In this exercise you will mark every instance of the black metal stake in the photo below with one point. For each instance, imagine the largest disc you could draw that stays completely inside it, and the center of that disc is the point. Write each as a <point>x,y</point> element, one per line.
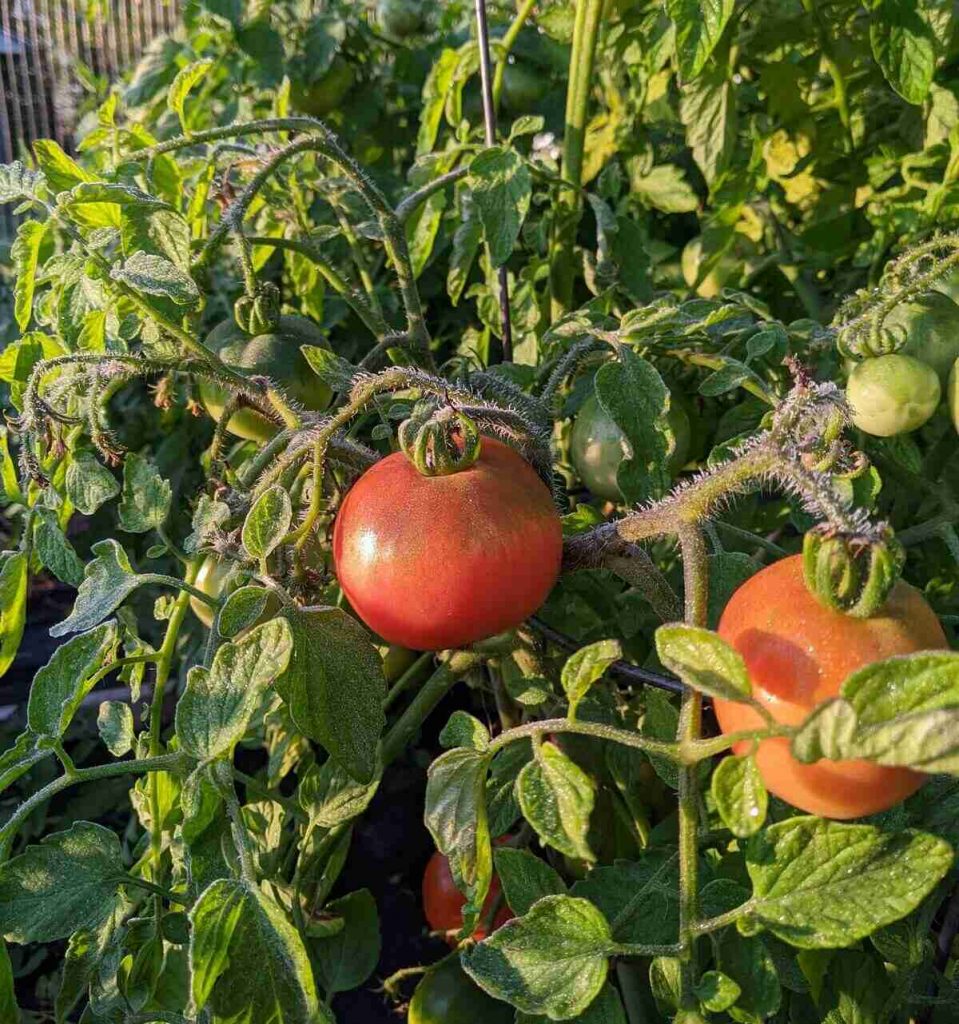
<point>489,122</point>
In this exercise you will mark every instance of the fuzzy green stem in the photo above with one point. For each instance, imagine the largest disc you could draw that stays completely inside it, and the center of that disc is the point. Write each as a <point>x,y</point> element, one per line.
<point>158,890</point>
<point>430,694</point>
<point>163,763</point>
<point>505,47</point>
<point>696,588</point>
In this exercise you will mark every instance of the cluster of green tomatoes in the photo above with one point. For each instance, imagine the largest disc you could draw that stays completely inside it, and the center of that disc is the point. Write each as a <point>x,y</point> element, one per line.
<point>898,392</point>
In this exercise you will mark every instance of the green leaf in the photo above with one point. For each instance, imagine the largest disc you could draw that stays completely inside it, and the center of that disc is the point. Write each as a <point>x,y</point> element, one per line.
<point>18,183</point>
<point>345,960</point>
<point>606,1008</point>
<point>665,982</point>
<point>25,254</point>
<point>900,712</point>
<point>747,963</point>
<point>14,572</point>
<point>335,686</point>
<point>463,730</point>
<point>331,797</point>
<point>466,242</point>
<point>904,47</point>
<point>113,193</point>
<point>699,26</point>
<point>242,609</point>
<point>435,90</point>
<point>145,504</point>
<point>60,171</point>
<point>455,815</point>
<point>115,724</point>
<point>53,549</point>
<point>9,1011</point>
<point>502,188</point>
<point>185,80</point>
<point>556,797</point>
<point>552,961</point>
<point>525,878</point>
<point>88,483</point>
<point>249,964</point>
<point>740,795</point>
<point>20,757</point>
<point>66,882</point>
<point>501,804</point>
<point>664,188</point>
<point>155,275</point>
<point>707,108</point>
<point>267,522</point>
<point>717,991</point>
<point>639,899</point>
<point>585,667</point>
<point>59,687</point>
<point>633,394</point>
<point>821,884</point>
<point>107,583</point>
<point>338,372</point>
<point>83,955</point>
<point>8,471</point>
<point>216,707</point>
<point>703,660</point>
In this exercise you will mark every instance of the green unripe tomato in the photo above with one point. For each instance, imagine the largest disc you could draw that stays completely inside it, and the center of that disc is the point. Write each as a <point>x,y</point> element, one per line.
<point>401,18</point>
<point>448,995</point>
<point>892,394</point>
<point>323,96</point>
<point>952,394</point>
<point>523,88</point>
<point>276,356</point>
<point>210,580</point>
<point>597,447</point>
<point>930,325</point>
<point>949,285</point>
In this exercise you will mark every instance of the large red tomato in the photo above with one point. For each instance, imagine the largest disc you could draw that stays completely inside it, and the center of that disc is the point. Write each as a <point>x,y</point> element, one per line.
<point>443,903</point>
<point>799,653</point>
<point>433,562</point>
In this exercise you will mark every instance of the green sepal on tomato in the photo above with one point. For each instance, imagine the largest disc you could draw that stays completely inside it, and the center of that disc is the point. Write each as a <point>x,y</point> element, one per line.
<point>277,356</point>
<point>438,562</point>
<point>798,654</point>
<point>447,995</point>
<point>598,447</point>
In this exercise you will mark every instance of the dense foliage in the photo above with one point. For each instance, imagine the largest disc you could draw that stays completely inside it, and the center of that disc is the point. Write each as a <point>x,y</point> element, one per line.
<point>266,418</point>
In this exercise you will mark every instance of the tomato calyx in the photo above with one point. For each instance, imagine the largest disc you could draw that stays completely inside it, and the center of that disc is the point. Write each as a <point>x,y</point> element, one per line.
<point>258,313</point>
<point>440,441</point>
<point>853,574</point>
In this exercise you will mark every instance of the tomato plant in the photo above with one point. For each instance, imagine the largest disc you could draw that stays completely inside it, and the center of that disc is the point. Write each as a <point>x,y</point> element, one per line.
<point>347,390</point>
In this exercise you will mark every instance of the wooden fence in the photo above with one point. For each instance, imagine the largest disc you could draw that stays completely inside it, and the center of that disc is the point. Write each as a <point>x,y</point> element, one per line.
<point>47,47</point>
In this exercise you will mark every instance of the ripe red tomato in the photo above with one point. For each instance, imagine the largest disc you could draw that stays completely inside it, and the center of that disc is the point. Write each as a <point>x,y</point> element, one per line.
<point>443,903</point>
<point>799,653</point>
<point>437,562</point>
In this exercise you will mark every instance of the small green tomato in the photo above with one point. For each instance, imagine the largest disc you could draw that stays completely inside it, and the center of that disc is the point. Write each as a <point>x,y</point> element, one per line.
<point>892,394</point>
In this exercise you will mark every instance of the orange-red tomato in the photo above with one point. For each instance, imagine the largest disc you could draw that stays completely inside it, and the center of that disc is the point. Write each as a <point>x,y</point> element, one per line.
<point>433,562</point>
<point>443,903</point>
<point>799,653</point>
